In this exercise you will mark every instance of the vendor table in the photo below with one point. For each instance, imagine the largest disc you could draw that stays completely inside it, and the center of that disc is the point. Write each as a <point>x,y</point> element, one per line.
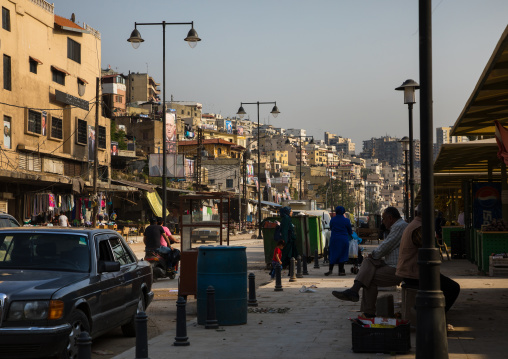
<point>488,243</point>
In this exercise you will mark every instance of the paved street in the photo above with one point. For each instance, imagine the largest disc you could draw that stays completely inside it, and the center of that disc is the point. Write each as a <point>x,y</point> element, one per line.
<point>316,324</point>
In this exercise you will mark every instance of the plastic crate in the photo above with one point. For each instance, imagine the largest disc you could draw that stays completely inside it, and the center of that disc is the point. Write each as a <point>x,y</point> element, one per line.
<point>381,340</point>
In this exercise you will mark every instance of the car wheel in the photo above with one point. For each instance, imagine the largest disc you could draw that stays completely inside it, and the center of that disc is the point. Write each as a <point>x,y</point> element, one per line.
<point>129,329</point>
<point>79,324</point>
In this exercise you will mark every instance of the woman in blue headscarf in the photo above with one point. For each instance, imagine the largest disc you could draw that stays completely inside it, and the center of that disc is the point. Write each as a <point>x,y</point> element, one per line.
<point>339,240</point>
<point>288,235</point>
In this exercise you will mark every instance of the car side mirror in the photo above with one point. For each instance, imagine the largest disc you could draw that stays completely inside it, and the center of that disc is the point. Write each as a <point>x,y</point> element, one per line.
<point>108,266</point>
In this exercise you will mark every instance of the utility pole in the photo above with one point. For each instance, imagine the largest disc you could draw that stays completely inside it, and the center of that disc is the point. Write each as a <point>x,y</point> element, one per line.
<point>244,188</point>
<point>96,150</point>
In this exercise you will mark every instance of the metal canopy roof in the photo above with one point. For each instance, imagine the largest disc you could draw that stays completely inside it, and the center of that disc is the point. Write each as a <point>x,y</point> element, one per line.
<point>467,160</point>
<point>489,100</point>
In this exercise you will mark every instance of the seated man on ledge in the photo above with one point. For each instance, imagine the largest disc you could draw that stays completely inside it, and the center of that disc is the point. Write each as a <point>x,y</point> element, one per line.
<point>408,268</point>
<point>375,271</point>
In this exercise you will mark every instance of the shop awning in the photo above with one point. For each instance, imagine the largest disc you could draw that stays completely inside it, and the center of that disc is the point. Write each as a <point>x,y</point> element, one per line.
<point>143,186</point>
<point>155,203</point>
<point>467,160</point>
<point>489,100</point>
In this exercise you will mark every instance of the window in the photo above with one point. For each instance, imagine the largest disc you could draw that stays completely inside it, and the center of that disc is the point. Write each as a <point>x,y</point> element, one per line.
<point>102,137</point>
<point>34,122</point>
<point>229,183</point>
<point>6,19</point>
<point>56,128</point>
<point>73,50</point>
<point>82,136</point>
<point>119,252</point>
<point>7,73</point>
<point>211,181</point>
<point>81,87</point>
<point>58,76</point>
<point>183,112</point>
<point>7,132</point>
<point>33,65</point>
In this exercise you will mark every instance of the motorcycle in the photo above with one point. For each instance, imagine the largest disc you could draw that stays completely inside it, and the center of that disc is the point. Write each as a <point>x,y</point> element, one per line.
<point>159,266</point>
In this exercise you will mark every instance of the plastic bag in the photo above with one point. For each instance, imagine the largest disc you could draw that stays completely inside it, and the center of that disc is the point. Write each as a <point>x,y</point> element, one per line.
<point>353,248</point>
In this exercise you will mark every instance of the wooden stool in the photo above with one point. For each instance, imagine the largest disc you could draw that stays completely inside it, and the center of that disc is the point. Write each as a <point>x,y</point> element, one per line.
<point>408,304</point>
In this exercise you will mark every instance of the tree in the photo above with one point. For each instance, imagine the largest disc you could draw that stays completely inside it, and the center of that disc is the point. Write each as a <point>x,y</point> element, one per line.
<point>118,136</point>
<point>339,191</point>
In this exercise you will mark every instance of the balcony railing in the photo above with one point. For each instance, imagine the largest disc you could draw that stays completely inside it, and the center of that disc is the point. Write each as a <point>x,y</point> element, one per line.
<point>45,5</point>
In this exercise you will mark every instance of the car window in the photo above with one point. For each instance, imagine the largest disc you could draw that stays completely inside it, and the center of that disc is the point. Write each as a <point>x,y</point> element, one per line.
<point>120,253</point>
<point>8,222</point>
<point>44,251</point>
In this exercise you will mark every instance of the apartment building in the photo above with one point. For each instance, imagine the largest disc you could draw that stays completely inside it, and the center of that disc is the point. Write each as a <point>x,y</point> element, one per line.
<point>50,67</point>
<point>142,87</point>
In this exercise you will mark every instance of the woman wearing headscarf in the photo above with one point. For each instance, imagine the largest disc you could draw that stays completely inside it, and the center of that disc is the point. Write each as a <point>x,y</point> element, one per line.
<point>339,240</point>
<point>288,235</point>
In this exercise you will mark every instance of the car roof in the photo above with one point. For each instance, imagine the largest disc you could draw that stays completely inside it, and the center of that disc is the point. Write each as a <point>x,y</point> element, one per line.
<point>76,230</point>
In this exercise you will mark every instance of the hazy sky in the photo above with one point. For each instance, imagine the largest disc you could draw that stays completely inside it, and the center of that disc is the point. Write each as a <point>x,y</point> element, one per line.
<point>331,65</point>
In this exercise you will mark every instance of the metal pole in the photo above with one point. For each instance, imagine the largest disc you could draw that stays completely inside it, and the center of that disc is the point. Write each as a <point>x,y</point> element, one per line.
<point>96,150</point>
<point>300,189</point>
<point>406,199</point>
<point>164,124</point>
<point>411,163</point>
<point>259,181</point>
<point>431,341</point>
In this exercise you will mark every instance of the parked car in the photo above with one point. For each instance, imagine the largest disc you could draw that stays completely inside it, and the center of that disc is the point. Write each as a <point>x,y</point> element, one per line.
<point>6,220</point>
<point>56,283</point>
<point>206,233</point>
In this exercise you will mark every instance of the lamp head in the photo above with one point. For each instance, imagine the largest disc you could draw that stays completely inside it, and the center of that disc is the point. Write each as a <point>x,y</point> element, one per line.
<point>275,111</point>
<point>135,38</point>
<point>409,87</point>
<point>405,142</point>
<point>241,112</point>
<point>192,38</point>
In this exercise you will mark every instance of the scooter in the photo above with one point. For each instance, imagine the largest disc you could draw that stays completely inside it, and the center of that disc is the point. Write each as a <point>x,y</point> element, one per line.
<point>159,266</point>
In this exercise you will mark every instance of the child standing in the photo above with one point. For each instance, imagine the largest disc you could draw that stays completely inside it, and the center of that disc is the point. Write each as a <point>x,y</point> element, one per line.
<point>277,254</point>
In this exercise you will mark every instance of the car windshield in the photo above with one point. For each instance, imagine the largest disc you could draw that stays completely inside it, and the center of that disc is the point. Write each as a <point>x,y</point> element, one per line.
<point>44,251</point>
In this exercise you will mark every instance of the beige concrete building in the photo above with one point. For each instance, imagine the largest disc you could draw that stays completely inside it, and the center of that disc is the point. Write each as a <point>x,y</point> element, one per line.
<point>49,71</point>
<point>142,87</point>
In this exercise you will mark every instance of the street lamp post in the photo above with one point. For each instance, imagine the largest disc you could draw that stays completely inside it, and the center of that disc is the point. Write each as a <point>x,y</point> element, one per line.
<point>409,87</point>
<point>135,39</point>
<point>431,341</point>
<point>312,140</point>
<point>405,144</point>
<point>275,112</point>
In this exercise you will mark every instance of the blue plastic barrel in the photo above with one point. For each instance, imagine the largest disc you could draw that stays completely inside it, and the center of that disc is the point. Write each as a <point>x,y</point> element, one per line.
<point>224,268</point>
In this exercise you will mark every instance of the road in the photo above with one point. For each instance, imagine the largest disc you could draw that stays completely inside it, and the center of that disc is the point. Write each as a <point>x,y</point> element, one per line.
<point>162,311</point>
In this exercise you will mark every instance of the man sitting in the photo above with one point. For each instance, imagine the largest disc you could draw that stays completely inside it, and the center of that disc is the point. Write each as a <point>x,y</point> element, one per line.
<point>172,255</point>
<point>408,268</point>
<point>375,271</point>
<point>152,240</point>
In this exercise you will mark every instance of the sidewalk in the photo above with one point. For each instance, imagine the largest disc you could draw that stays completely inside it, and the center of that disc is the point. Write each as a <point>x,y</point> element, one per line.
<point>316,324</point>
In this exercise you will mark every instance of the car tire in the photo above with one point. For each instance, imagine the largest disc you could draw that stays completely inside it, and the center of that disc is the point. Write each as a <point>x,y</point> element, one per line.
<point>129,329</point>
<point>79,324</point>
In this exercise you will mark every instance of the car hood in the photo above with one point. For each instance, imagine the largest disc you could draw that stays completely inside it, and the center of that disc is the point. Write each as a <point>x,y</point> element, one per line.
<point>29,284</point>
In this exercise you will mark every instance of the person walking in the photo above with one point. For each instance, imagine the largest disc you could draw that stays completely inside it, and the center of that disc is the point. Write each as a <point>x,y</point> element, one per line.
<point>339,241</point>
<point>378,269</point>
<point>288,235</point>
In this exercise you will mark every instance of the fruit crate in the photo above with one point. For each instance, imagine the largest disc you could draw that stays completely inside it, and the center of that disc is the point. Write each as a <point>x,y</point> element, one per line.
<point>498,267</point>
<point>381,340</point>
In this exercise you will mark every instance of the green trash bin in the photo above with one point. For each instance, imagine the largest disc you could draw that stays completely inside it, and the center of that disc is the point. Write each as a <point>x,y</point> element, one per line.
<point>307,232</point>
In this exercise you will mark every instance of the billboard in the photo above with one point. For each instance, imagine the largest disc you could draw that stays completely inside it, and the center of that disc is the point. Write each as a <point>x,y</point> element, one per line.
<point>250,170</point>
<point>239,130</point>
<point>189,168</point>
<point>229,127</point>
<point>486,203</point>
<point>174,165</point>
<point>114,148</point>
<point>170,138</point>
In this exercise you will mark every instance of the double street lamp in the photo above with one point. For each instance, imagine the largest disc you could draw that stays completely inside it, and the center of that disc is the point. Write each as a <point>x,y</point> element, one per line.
<point>409,87</point>
<point>275,112</point>
<point>405,147</point>
<point>135,39</point>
